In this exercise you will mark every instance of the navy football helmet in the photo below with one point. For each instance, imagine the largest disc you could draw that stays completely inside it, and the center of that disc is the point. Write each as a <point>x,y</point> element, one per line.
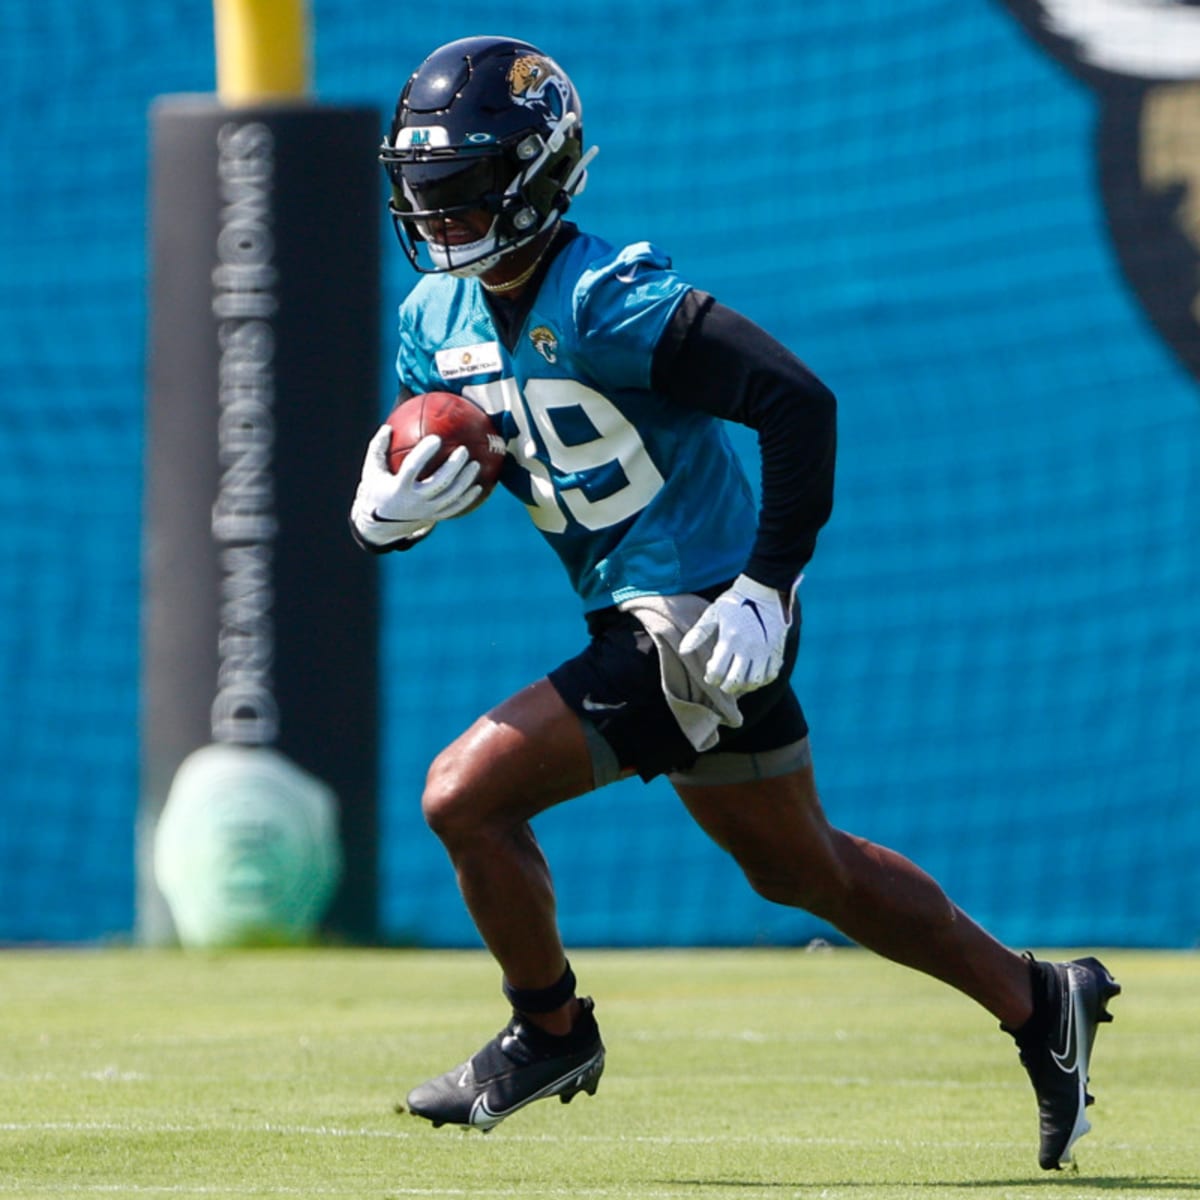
<point>485,123</point>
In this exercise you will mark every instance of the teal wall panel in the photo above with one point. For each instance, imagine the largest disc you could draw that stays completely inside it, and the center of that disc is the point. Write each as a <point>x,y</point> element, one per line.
<point>1001,659</point>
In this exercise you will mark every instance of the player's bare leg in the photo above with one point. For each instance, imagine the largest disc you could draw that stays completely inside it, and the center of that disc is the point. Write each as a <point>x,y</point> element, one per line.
<point>521,758</point>
<point>777,831</point>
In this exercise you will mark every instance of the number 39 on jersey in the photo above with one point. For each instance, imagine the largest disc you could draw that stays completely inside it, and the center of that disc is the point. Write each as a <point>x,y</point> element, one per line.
<point>586,462</point>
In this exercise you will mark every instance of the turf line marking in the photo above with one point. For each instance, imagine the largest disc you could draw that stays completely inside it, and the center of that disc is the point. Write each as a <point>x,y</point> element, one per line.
<point>467,1138</point>
<point>848,1081</point>
<point>354,1190</point>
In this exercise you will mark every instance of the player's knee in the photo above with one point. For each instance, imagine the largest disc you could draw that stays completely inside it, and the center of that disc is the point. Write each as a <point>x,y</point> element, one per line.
<point>466,800</point>
<point>445,800</point>
<point>782,888</point>
<point>776,888</point>
<point>818,886</point>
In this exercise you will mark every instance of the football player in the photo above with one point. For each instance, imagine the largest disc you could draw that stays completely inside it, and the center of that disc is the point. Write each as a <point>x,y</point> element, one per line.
<point>610,377</point>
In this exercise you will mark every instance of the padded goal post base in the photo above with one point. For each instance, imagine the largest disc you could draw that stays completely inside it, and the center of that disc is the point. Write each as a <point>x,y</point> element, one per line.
<point>261,615</point>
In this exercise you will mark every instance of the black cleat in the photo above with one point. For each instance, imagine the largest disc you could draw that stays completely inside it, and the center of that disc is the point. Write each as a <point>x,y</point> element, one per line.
<point>1057,1057</point>
<point>519,1065</point>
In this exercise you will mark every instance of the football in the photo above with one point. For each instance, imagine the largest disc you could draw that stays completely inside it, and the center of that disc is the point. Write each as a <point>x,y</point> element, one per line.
<point>458,422</point>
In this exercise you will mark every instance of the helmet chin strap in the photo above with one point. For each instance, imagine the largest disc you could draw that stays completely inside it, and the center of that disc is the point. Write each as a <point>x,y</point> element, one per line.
<point>481,255</point>
<point>444,256</point>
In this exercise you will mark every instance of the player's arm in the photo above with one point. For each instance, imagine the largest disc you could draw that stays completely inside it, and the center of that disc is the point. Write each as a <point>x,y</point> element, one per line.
<point>712,358</point>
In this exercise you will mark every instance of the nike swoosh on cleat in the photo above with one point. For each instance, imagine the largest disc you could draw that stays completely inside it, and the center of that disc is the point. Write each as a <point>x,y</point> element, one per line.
<point>482,1116</point>
<point>1068,1060</point>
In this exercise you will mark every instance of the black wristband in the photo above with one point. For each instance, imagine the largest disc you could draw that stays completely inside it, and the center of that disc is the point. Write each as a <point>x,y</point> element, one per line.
<point>401,544</point>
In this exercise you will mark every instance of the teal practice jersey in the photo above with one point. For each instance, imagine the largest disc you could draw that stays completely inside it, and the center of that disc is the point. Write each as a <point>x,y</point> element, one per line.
<point>637,494</point>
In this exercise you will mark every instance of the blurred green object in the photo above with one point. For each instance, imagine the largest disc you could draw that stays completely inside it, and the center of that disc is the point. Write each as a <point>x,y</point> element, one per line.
<point>247,850</point>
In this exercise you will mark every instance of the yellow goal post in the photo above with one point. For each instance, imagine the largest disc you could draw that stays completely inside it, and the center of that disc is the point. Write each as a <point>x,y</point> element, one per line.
<point>263,50</point>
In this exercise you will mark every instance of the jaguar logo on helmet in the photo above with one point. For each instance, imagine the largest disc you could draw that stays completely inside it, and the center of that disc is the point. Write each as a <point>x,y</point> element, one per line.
<point>536,82</point>
<point>1142,58</point>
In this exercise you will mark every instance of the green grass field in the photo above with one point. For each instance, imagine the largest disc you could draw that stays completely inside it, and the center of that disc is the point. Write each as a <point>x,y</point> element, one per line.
<point>731,1074</point>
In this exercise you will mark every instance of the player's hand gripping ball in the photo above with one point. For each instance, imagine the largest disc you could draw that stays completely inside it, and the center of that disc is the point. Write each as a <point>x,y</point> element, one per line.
<point>458,422</point>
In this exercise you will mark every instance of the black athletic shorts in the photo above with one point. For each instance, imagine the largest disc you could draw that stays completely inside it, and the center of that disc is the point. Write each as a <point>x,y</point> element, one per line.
<point>615,687</point>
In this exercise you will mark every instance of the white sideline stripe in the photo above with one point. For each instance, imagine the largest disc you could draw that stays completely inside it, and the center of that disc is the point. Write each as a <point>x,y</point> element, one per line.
<point>787,1079</point>
<point>104,1189</point>
<point>59,1189</point>
<point>155,1127</point>
<point>355,1190</point>
<point>848,1081</point>
<point>404,1135</point>
<point>134,1189</point>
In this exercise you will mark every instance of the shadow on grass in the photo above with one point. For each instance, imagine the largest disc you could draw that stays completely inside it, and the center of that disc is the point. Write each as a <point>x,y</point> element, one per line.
<point>1103,1183</point>
<point>1065,1179</point>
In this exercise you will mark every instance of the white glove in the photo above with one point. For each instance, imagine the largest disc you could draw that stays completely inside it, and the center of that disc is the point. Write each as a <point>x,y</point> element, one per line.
<point>750,625</point>
<point>392,508</point>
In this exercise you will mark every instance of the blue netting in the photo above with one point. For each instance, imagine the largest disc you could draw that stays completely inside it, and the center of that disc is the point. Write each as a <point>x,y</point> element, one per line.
<point>1002,654</point>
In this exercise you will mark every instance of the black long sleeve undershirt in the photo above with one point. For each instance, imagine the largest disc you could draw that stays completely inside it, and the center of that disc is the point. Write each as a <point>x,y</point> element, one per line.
<point>714,359</point>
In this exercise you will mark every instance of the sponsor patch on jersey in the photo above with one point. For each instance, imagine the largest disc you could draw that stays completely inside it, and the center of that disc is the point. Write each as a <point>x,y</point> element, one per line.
<point>481,359</point>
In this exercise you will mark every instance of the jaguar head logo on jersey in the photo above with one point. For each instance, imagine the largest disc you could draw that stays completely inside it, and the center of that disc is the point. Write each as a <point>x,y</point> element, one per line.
<point>545,342</point>
<point>1142,59</point>
<point>535,82</point>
